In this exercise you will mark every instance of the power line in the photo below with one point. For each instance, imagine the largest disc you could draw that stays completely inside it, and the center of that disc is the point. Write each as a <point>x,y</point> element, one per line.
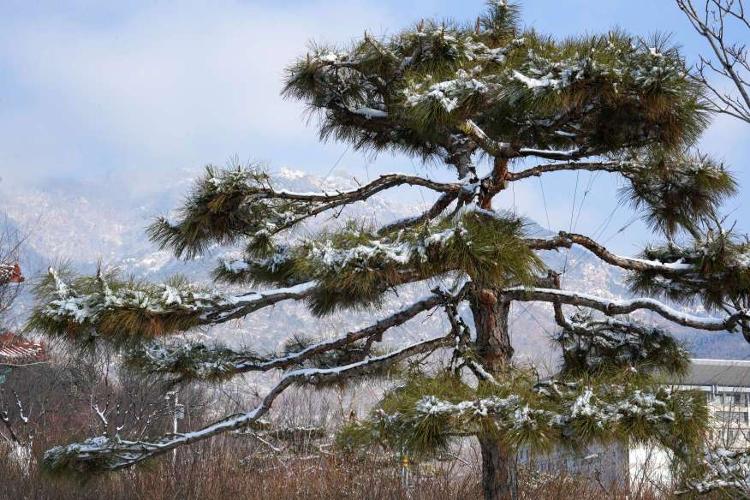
<point>599,231</point>
<point>570,225</point>
<point>592,178</point>
<point>336,164</point>
<point>623,228</point>
<point>544,200</point>
<point>533,316</point>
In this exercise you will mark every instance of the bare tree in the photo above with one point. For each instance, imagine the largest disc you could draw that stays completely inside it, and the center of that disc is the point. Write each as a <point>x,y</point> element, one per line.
<point>725,26</point>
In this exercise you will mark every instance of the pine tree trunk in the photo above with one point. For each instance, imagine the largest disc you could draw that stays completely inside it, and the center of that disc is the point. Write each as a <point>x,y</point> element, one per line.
<point>499,479</point>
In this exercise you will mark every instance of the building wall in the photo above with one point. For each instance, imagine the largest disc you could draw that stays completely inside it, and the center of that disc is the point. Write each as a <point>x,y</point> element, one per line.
<point>613,463</point>
<point>604,464</point>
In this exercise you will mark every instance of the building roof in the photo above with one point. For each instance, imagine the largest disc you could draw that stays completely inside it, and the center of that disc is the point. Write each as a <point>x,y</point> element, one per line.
<point>15,349</point>
<point>723,372</point>
<point>10,273</point>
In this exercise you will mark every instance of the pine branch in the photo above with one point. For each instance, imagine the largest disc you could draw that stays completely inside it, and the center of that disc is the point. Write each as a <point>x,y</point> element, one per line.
<point>601,166</point>
<point>726,472</point>
<point>332,201</point>
<point>196,361</point>
<point>238,306</point>
<point>433,212</point>
<point>385,181</point>
<point>567,240</point>
<point>612,307</point>
<point>491,146</point>
<point>593,344</point>
<point>127,311</point>
<point>109,454</point>
<point>426,413</point>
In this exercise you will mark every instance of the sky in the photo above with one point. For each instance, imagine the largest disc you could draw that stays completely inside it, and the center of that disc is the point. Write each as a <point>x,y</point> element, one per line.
<point>129,93</point>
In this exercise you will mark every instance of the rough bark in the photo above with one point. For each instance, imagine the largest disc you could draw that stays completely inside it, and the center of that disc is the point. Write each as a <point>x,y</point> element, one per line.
<point>494,183</point>
<point>499,481</point>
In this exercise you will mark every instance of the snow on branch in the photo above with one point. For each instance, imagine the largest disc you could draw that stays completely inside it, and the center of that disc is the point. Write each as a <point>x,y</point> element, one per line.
<point>104,305</point>
<point>726,471</point>
<point>613,307</point>
<point>108,454</point>
<point>566,240</point>
<point>447,95</point>
<point>201,362</point>
<point>385,181</point>
<point>597,166</point>
<point>720,274</point>
<point>512,412</point>
<point>227,206</point>
<point>507,150</point>
<point>423,415</point>
<point>355,268</point>
<point>551,154</point>
<point>590,344</point>
<point>322,202</point>
<point>491,146</point>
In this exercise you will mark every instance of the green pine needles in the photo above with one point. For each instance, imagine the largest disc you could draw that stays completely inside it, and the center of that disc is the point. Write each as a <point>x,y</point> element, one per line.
<point>83,309</point>
<point>354,267</point>
<point>494,104</point>
<point>410,91</point>
<point>426,415</point>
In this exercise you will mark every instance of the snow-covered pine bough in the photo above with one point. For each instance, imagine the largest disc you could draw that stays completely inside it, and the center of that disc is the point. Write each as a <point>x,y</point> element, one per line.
<point>496,105</point>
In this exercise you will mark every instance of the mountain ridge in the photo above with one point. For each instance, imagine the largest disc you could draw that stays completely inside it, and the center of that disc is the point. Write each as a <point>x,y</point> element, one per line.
<point>88,224</point>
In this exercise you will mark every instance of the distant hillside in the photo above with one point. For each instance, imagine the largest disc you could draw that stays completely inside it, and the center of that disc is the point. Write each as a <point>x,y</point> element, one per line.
<point>84,224</point>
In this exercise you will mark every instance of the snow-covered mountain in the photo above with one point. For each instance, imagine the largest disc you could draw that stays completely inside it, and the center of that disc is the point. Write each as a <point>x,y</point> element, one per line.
<point>85,224</point>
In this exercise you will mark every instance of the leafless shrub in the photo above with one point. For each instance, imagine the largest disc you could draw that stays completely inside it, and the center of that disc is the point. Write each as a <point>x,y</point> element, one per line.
<point>725,26</point>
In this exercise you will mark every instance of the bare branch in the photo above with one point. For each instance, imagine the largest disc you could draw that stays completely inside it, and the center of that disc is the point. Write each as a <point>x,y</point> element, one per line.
<point>238,306</point>
<point>382,183</point>
<point>331,201</point>
<point>218,362</point>
<point>375,330</point>
<point>600,166</point>
<point>731,58</point>
<point>612,307</point>
<point>566,240</point>
<point>434,211</point>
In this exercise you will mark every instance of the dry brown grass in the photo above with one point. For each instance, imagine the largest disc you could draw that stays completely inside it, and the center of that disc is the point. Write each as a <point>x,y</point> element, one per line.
<point>232,467</point>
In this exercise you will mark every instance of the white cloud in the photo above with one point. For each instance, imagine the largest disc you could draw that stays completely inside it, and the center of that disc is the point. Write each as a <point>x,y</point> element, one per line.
<point>164,86</point>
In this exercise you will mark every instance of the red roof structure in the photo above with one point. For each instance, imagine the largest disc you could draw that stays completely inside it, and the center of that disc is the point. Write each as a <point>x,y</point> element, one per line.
<point>17,350</point>
<point>10,273</point>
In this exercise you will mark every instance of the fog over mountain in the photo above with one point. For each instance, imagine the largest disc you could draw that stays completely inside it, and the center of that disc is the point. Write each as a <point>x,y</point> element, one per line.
<point>83,224</point>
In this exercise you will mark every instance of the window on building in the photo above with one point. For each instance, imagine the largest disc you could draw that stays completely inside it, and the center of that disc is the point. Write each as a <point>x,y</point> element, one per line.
<point>730,398</point>
<point>734,417</point>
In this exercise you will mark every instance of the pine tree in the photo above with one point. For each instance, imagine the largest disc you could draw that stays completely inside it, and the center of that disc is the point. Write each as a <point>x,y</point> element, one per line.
<point>454,95</point>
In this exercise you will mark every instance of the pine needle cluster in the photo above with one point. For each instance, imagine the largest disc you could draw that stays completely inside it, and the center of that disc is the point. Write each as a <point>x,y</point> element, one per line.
<point>354,267</point>
<point>225,206</point>
<point>124,311</point>
<point>427,414</point>
<point>412,91</point>
<point>678,190</point>
<point>720,272</point>
<point>590,345</point>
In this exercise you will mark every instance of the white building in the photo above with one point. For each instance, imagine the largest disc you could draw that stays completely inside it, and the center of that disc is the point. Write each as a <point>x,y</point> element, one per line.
<point>726,385</point>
